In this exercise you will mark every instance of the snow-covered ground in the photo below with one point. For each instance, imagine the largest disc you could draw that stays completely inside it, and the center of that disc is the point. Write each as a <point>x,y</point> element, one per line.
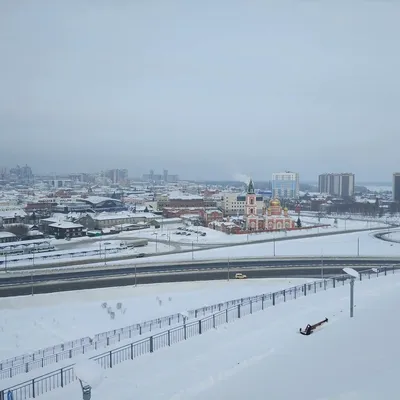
<point>346,244</point>
<point>33,322</point>
<point>263,355</point>
<point>215,237</point>
<point>76,254</point>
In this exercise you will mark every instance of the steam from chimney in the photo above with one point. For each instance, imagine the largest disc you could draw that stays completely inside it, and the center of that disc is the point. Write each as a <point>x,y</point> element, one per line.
<point>242,178</point>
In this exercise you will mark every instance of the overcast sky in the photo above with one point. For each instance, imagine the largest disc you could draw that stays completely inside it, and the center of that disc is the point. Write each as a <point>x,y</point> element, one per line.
<point>206,89</point>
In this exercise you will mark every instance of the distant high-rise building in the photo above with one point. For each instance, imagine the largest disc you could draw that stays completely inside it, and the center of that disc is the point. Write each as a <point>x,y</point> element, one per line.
<point>117,175</point>
<point>341,185</point>
<point>396,186</point>
<point>165,175</point>
<point>285,185</point>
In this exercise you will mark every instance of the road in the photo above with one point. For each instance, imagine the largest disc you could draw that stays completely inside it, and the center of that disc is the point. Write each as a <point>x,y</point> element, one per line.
<point>110,258</point>
<point>46,281</point>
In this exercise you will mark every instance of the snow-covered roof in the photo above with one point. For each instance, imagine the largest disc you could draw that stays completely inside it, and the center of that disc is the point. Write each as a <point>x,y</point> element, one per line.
<point>66,225</point>
<point>176,195</point>
<point>107,216</point>
<point>12,213</point>
<point>6,235</point>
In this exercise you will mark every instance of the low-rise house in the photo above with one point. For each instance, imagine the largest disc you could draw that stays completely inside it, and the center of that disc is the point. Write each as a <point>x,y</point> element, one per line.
<point>6,237</point>
<point>64,229</point>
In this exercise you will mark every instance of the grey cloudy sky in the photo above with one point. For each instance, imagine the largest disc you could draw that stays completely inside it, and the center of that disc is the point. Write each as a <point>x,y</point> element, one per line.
<point>206,89</point>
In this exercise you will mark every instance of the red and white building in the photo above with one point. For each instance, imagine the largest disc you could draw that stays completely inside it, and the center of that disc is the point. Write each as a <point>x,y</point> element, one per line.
<point>272,218</point>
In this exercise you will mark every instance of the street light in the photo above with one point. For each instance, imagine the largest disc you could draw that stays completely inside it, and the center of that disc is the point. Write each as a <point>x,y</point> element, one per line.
<point>353,276</point>
<point>105,252</point>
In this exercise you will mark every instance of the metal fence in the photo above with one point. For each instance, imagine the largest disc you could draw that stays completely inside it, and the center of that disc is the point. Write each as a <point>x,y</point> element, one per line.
<point>41,358</point>
<point>64,376</point>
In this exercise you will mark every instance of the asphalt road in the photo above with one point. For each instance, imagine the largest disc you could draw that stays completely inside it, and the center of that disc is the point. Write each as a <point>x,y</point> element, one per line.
<point>64,263</point>
<point>14,285</point>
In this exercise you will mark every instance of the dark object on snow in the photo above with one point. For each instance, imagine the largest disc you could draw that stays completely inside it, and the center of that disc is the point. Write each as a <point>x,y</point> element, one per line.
<point>310,328</point>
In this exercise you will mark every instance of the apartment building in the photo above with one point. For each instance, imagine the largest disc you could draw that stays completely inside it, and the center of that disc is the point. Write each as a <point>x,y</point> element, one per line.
<point>341,185</point>
<point>285,185</point>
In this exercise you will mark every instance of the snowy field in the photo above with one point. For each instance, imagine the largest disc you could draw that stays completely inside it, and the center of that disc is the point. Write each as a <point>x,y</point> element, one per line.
<point>65,256</point>
<point>264,354</point>
<point>33,322</point>
<point>214,237</point>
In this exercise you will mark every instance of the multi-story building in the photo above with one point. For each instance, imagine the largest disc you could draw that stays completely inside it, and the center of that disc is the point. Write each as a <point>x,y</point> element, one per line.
<point>396,186</point>
<point>234,203</point>
<point>285,185</point>
<point>117,175</point>
<point>341,185</point>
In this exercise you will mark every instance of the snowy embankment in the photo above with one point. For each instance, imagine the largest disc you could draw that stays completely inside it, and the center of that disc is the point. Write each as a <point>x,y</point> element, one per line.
<point>32,323</point>
<point>243,359</point>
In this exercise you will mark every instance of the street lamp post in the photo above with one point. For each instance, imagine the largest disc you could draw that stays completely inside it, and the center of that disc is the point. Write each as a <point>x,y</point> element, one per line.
<point>353,276</point>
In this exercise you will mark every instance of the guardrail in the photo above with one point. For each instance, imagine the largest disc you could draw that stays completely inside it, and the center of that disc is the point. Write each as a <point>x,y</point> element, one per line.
<point>65,376</point>
<point>41,358</point>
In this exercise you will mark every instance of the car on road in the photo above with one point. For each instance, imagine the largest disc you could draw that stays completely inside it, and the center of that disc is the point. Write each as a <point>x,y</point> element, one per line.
<point>240,276</point>
<point>140,255</point>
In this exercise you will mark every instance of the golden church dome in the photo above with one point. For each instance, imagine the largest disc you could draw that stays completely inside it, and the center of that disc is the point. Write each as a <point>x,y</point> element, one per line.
<point>274,203</point>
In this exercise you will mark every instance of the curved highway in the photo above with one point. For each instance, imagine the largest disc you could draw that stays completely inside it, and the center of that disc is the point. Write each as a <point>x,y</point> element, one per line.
<point>80,278</point>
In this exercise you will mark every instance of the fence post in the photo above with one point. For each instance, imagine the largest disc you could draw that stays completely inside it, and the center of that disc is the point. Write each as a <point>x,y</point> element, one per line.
<point>305,289</point>
<point>33,388</point>
<point>324,284</point>
<point>62,377</point>
<point>284,296</point>
<point>273,299</point>
<point>295,293</point>
<point>131,351</point>
<point>195,313</point>
<point>385,271</point>
<point>251,307</point>
<point>110,358</point>
<point>361,276</point>
<point>140,329</point>
<point>213,320</point>
<point>169,337</point>
<point>169,321</point>
<point>238,308</point>
<point>199,326</point>
<point>184,331</point>
<point>315,287</point>
<point>151,344</point>
<point>262,302</point>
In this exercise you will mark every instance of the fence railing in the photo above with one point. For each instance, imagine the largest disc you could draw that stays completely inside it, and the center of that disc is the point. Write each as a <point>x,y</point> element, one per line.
<point>64,376</point>
<point>41,358</point>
